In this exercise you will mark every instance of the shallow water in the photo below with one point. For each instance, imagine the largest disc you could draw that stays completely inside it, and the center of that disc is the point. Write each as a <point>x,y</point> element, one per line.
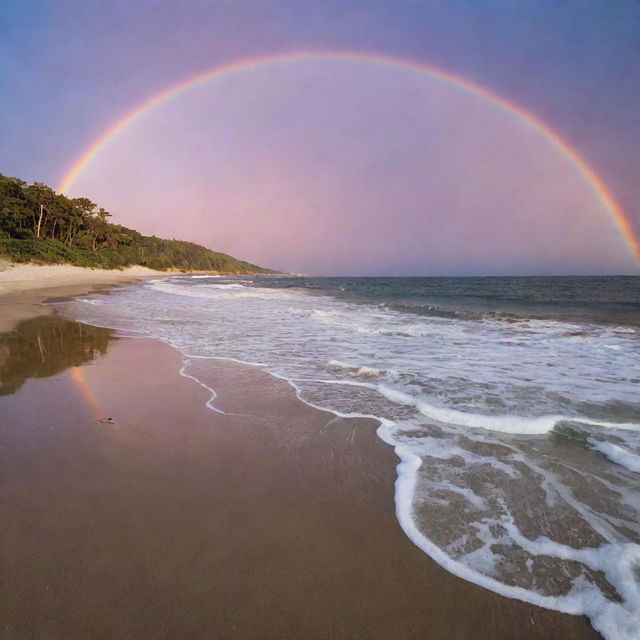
<point>512,402</point>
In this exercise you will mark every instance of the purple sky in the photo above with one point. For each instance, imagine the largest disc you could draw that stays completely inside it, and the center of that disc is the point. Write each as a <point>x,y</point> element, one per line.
<point>338,169</point>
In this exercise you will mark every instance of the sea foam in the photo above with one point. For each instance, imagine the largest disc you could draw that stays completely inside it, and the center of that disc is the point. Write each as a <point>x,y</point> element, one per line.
<point>617,454</point>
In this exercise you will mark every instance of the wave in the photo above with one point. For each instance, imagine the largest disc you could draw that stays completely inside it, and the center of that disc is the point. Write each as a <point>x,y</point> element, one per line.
<point>431,311</point>
<point>355,370</point>
<point>521,425</point>
<point>617,454</point>
<point>220,291</point>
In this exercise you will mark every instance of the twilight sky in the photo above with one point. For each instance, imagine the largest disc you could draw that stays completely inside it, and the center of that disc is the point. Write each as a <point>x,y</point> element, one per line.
<point>338,167</point>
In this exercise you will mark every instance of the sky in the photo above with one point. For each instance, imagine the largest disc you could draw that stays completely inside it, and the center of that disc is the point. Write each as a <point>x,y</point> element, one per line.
<point>330,167</point>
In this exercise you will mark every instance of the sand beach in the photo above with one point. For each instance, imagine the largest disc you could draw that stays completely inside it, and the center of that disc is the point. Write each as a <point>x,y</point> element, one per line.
<point>272,520</point>
<point>23,287</point>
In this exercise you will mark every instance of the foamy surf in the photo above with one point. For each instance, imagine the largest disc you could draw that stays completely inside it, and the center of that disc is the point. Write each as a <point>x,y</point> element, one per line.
<point>617,454</point>
<point>618,563</point>
<point>518,436</point>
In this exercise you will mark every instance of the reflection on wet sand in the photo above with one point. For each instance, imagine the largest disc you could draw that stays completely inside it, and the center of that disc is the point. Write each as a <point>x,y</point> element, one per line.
<point>44,346</point>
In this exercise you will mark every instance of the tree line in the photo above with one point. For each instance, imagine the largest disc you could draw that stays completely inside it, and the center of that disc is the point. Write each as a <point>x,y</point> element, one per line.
<point>39,225</point>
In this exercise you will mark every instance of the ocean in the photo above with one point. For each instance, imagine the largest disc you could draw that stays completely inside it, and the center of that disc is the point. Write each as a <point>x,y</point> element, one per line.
<point>513,405</point>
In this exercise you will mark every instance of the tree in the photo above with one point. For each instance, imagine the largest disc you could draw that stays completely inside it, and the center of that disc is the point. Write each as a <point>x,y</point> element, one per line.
<point>40,198</point>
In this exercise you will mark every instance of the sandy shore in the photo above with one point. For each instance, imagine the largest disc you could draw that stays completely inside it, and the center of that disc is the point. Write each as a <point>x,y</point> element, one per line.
<point>177,522</point>
<point>24,286</point>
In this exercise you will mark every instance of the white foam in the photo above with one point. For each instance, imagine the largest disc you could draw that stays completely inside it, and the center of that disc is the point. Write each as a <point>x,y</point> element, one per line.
<point>220,291</point>
<point>503,423</point>
<point>446,449</point>
<point>468,494</point>
<point>616,621</point>
<point>617,454</point>
<point>354,369</point>
<point>336,364</point>
<point>628,330</point>
<point>209,403</point>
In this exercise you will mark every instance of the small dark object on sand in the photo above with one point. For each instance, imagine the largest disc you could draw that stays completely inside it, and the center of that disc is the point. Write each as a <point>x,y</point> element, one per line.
<point>105,420</point>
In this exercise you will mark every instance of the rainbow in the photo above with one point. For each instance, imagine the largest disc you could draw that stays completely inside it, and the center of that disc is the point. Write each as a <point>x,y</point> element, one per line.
<point>590,176</point>
<point>77,374</point>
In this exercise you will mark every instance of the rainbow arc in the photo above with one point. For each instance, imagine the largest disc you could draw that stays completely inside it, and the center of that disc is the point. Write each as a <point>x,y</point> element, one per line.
<point>590,176</point>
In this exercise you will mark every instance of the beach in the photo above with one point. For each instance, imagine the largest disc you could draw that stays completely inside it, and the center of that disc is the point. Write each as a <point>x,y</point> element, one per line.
<point>272,519</point>
<point>23,287</point>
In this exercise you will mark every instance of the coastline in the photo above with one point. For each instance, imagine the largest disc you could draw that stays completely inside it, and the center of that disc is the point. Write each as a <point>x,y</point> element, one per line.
<point>176,521</point>
<point>24,287</point>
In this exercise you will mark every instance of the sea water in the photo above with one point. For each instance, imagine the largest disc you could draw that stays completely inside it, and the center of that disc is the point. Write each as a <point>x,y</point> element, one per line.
<point>512,403</point>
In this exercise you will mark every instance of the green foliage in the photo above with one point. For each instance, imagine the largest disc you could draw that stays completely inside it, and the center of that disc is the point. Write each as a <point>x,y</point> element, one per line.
<point>39,225</point>
<point>22,234</point>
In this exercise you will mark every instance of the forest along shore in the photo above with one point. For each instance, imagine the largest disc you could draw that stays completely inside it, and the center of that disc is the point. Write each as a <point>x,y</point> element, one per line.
<point>40,225</point>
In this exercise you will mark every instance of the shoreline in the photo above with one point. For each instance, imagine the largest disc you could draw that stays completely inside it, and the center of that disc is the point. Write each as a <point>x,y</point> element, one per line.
<point>275,522</point>
<point>25,286</point>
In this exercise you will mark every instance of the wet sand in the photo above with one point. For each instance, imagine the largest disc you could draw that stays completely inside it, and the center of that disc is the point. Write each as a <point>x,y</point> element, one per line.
<point>24,287</point>
<point>178,522</point>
